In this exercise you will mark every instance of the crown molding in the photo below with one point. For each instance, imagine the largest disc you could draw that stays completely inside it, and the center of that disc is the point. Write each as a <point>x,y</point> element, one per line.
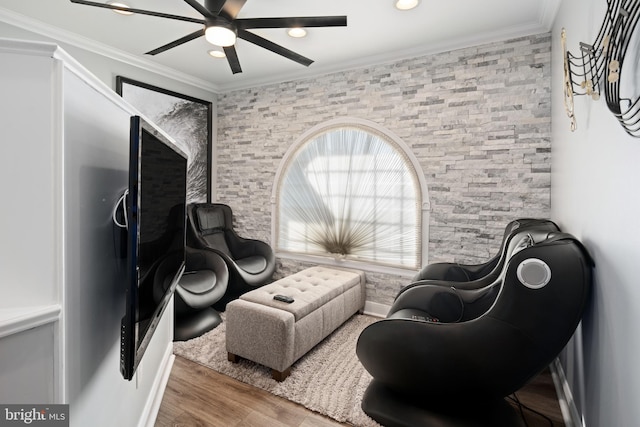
<point>548,13</point>
<point>76,40</point>
<point>544,23</point>
<point>401,55</point>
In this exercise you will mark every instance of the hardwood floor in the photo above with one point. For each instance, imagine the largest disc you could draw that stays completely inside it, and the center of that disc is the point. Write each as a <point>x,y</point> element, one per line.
<point>197,397</point>
<point>540,402</point>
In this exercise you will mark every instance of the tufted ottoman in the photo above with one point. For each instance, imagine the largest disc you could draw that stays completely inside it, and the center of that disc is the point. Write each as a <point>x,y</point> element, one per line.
<point>275,333</point>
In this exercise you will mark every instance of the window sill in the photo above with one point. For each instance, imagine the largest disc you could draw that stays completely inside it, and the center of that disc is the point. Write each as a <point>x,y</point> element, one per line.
<point>348,263</point>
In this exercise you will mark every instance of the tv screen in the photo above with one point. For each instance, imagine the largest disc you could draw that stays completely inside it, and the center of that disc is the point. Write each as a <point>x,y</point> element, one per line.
<point>156,221</point>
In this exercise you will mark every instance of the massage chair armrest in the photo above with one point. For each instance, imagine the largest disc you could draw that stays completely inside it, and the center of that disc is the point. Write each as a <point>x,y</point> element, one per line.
<point>204,259</point>
<point>436,301</point>
<point>215,252</point>
<point>242,248</point>
<point>414,314</point>
<point>442,271</point>
<point>414,284</point>
<point>455,272</point>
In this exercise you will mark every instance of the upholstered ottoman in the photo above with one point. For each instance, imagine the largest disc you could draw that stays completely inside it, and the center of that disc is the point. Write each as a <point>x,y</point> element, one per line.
<point>275,333</point>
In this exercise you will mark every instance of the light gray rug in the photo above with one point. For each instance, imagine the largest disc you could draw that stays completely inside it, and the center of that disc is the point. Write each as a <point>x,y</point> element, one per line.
<point>329,379</point>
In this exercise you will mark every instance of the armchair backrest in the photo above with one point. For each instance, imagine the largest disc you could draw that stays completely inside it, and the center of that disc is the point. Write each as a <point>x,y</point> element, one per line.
<point>208,225</point>
<point>538,228</point>
<point>210,219</point>
<point>478,276</point>
<point>546,289</point>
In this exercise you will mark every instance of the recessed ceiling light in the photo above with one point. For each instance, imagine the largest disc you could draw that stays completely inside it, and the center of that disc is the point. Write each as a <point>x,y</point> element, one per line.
<point>297,32</point>
<point>121,12</point>
<point>406,4</point>
<point>217,53</point>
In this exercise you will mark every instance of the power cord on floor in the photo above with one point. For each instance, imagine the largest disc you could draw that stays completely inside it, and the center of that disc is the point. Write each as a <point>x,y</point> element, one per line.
<point>514,398</point>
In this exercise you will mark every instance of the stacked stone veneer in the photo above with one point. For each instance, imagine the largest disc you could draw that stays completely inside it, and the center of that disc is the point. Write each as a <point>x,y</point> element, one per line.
<point>478,120</point>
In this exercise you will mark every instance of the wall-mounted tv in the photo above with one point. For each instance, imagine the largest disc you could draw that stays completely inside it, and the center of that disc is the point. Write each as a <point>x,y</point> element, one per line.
<point>155,223</point>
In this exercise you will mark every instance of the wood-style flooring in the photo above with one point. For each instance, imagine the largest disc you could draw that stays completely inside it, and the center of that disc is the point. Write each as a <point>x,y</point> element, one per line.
<point>197,396</point>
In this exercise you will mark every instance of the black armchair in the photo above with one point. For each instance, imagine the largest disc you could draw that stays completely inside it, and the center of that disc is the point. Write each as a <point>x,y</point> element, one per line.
<point>251,262</point>
<point>203,283</point>
<point>443,344</point>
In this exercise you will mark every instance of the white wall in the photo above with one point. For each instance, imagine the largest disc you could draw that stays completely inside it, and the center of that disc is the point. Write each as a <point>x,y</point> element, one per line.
<point>92,384</point>
<point>595,196</point>
<point>96,148</point>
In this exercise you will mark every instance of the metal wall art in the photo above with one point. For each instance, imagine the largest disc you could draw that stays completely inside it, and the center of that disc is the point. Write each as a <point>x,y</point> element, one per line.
<point>599,66</point>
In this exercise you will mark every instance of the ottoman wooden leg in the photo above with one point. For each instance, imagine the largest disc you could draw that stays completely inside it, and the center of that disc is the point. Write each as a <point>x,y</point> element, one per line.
<point>233,358</point>
<point>280,376</point>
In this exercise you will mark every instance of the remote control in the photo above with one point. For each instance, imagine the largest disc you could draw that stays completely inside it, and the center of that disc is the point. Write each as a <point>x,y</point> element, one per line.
<point>283,298</point>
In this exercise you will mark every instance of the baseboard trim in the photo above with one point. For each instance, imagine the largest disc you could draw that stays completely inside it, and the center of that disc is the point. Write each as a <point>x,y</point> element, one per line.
<point>376,309</point>
<point>150,412</point>
<point>570,412</point>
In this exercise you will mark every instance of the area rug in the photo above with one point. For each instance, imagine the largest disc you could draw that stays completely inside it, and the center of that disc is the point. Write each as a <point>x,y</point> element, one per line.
<point>329,379</point>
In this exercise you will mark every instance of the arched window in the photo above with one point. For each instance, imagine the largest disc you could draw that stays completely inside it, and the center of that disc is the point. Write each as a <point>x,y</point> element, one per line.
<point>350,190</point>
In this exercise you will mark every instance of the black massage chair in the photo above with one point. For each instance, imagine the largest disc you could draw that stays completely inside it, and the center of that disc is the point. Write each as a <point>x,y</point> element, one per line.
<point>251,262</point>
<point>447,355</point>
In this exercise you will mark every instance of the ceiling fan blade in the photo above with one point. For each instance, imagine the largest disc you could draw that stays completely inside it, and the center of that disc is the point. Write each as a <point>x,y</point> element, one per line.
<point>200,8</point>
<point>232,58</point>
<point>275,48</point>
<point>140,11</point>
<point>231,8</point>
<point>214,6</point>
<point>292,22</point>
<point>178,42</point>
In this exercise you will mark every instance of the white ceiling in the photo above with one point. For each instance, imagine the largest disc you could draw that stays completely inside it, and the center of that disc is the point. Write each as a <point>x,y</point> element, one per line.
<point>376,32</point>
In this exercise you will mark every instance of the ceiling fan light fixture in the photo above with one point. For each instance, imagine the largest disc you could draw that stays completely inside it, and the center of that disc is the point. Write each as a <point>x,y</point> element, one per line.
<point>406,4</point>
<point>118,4</point>
<point>297,32</point>
<point>221,27</point>
<point>220,35</point>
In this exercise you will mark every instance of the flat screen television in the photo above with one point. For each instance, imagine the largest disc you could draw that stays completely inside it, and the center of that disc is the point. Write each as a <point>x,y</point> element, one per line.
<point>155,236</point>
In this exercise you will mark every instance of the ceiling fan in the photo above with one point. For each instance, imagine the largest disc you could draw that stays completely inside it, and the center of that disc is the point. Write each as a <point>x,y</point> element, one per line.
<point>221,27</point>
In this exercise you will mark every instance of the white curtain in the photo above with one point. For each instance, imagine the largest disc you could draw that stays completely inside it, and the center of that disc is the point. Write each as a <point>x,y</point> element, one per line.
<point>352,194</point>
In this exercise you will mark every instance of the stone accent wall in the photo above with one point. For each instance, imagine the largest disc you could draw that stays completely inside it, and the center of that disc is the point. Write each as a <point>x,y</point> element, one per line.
<point>478,120</point>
